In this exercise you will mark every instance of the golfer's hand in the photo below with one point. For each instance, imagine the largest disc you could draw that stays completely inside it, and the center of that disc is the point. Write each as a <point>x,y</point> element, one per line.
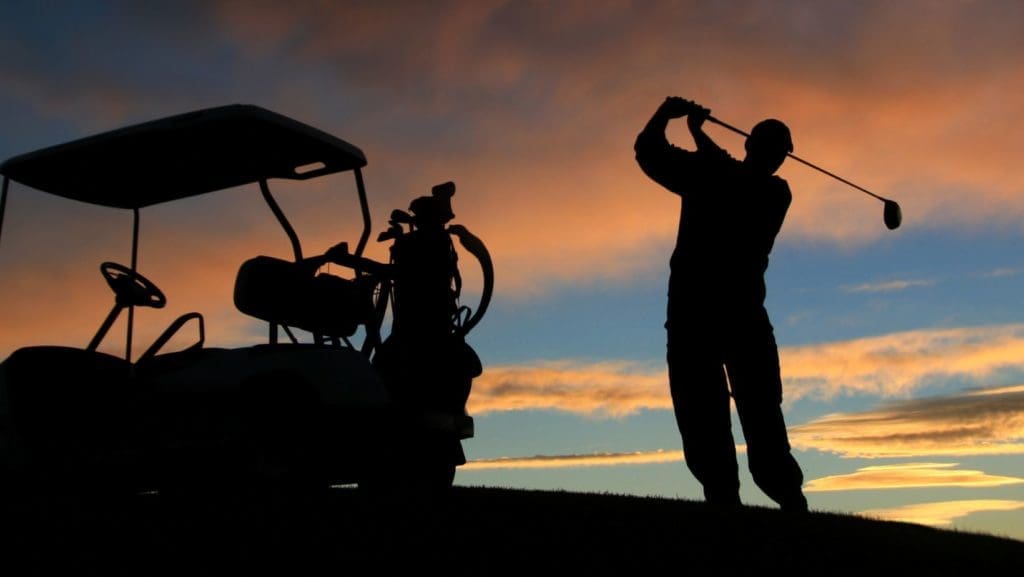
<point>696,117</point>
<point>674,107</point>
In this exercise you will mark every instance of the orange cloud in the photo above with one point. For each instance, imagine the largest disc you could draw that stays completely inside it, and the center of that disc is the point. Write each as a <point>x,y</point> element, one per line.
<point>534,107</point>
<point>550,167</point>
<point>569,461</point>
<point>943,513</point>
<point>908,475</point>
<point>898,363</point>
<point>612,388</point>
<point>542,129</point>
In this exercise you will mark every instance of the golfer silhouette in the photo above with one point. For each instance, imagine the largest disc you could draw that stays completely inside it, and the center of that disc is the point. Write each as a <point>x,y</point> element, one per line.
<point>720,340</point>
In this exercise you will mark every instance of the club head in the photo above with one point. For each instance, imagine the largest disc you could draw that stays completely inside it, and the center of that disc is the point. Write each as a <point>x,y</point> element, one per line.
<point>892,215</point>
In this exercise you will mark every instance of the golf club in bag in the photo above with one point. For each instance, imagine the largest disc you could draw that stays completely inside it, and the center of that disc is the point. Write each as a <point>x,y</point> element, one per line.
<point>891,214</point>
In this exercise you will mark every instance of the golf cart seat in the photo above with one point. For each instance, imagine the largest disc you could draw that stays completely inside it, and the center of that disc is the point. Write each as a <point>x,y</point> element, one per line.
<point>58,392</point>
<point>285,293</point>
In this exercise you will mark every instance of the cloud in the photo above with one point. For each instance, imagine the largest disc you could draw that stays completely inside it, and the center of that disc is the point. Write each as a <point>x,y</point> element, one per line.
<point>887,286</point>
<point>982,422</point>
<point>908,475</point>
<point>569,461</point>
<point>976,422</point>
<point>72,65</point>
<point>197,273</point>
<point>896,364</point>
<point>607,388</point>
<point>533,107</point>
<point>943,513</point>
<point>484,76</point>
<point>887,366</point>
<point>1001,272</point>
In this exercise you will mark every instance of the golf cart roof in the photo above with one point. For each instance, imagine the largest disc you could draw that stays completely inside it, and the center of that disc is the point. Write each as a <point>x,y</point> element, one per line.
<point>183,155</point>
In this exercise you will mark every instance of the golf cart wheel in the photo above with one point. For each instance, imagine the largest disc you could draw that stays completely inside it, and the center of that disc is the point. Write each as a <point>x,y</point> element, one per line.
<point>432,479</point>
<point>400,486</point>
<point>423,469</point>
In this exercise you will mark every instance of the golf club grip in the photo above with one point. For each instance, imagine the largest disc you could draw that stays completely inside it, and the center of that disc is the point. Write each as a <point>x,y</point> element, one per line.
<point>798,159</point>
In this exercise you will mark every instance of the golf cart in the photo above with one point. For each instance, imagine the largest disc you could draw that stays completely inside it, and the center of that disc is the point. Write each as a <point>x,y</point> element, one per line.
<point>282,412</point>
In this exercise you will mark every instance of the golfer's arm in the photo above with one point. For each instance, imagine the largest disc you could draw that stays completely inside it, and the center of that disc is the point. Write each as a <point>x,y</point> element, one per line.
<point>657,125</point>
<point>656,156</point>
<point>703,141</point>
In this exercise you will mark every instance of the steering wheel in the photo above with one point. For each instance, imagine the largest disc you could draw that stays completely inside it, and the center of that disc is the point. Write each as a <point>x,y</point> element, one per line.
<point>131,288</point>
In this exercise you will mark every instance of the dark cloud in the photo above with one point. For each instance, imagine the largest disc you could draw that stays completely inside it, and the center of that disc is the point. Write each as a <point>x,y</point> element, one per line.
<point>987,421</point>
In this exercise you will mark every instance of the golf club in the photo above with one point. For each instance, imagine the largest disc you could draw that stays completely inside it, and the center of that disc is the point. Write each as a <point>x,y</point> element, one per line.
<point>891,214</point>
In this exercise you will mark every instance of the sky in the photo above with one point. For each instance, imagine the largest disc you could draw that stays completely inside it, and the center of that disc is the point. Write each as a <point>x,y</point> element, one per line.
<point>902,351</point>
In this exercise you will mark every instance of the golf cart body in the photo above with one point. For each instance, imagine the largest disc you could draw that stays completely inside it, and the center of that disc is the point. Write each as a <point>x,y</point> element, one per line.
<point>317,411</point>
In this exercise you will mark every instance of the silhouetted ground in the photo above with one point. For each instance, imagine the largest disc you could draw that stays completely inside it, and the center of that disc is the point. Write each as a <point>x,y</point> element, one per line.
<point>476,531</point>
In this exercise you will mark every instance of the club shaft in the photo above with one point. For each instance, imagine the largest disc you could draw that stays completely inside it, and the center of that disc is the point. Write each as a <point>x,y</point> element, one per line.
<point>798,159</point>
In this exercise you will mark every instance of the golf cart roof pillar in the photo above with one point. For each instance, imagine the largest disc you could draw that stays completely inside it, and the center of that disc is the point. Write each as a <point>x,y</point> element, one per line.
<point>364,206</point>
<point>3,203</point>
<point>281,218</point>
<point>293,237</point>
<point>135,262</point>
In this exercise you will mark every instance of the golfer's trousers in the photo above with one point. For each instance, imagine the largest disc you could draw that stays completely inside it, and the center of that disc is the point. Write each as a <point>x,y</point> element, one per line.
<point>712,352</point>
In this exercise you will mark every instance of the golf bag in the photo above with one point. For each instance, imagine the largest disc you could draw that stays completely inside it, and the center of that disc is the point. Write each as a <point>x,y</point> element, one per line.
<point>426,361</point>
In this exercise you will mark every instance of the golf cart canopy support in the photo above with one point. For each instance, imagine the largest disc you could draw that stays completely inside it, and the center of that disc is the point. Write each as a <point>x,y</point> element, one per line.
<point>188,155</point>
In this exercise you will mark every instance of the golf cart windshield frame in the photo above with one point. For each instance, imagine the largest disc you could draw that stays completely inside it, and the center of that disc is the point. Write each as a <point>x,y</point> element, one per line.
<point>188,155</point>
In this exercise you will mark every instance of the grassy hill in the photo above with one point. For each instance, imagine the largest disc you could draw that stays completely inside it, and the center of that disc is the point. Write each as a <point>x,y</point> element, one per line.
<point>477,531</point>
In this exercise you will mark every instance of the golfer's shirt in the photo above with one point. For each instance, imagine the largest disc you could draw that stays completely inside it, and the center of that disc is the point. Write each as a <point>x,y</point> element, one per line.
<point>728,222</point>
